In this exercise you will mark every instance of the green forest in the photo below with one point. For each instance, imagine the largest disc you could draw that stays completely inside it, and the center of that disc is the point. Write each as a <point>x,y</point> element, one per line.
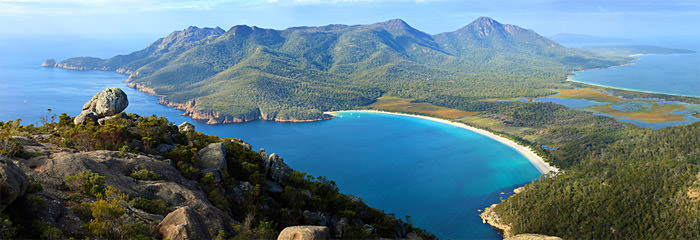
<point>297,73</point>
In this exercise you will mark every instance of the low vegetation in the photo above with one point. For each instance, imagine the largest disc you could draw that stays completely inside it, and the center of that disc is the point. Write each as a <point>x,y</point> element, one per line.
<point>406,105</point>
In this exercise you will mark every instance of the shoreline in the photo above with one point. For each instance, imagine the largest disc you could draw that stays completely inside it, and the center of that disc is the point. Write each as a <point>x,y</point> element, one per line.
<point>637,58</point>
<point>568,79</point>
<point>538,162</point>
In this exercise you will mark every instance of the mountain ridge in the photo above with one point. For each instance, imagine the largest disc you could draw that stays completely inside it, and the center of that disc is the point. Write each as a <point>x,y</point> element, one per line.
<point>296,74</point>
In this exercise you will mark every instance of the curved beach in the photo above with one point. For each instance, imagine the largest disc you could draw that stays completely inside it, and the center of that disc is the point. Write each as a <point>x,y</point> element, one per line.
<point>539,163</point>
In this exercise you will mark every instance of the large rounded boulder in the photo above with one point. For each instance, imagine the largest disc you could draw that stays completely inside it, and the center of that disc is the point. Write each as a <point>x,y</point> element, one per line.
<point>107,103</point>
<point>304,233</point>
<point>183,224</point>
<point>13,182</point>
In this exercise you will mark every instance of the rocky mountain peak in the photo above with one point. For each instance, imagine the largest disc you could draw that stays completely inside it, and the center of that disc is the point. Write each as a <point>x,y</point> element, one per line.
<point>191,36</point>
<point>486,27</point>
<point>393,23</point>
<point>485,22</point>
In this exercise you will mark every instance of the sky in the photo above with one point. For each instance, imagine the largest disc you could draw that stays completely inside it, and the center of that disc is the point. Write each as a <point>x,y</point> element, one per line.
<point>150,19</point>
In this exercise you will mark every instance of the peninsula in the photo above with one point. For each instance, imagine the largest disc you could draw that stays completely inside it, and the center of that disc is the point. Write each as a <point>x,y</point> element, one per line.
<point>249,73</point>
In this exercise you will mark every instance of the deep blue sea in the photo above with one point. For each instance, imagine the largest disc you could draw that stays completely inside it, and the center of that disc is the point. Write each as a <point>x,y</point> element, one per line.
<point>677,74</point>
<point>437,174</point>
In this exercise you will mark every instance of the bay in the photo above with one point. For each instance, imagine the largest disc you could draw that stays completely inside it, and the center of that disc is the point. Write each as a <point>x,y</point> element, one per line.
<point>436,173</point>
<point>675,74</point>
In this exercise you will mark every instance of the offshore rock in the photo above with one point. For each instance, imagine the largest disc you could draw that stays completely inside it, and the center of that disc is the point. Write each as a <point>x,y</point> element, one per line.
<point>49,63</point>
<point>13,182</point>
<point>183,223</point>
<point>107,103</point>
<point>305,233</point>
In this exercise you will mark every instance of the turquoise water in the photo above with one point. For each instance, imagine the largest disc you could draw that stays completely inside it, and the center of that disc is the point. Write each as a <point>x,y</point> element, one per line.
<point>676,74</point>
<point>437,174</point>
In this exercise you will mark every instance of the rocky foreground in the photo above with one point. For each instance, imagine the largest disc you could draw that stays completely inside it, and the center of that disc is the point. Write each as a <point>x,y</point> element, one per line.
<point>106,174</point>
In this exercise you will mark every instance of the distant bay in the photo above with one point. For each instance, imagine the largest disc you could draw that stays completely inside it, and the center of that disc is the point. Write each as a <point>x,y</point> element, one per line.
<point>437,174</point>
<point>674,74</point>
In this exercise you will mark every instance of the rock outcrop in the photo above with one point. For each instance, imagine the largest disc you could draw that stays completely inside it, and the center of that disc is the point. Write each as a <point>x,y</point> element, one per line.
<point>13,182</point>
<point>275,167</point>
<point>490,217</point>
<point>85,117</point>
<point>183,223</point>
<point>304,233</point>
<point>107,103</point>
<point>185,127</point>
<point>51,165</point>
<point>55,214</point>
<point>213,157</point>
<point>103,106</point>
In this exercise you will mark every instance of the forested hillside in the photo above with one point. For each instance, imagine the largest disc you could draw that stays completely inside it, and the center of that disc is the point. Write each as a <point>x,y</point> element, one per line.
<point>645,185</point>
<point>250,73</point>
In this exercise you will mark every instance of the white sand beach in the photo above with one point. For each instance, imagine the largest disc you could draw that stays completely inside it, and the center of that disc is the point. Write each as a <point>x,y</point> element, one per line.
<point>536,160</point>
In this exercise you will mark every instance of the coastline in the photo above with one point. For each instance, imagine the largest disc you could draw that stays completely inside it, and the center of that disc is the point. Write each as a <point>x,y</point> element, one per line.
<point>568,79</point>
<point>637,58</point>
<point>537,161</point>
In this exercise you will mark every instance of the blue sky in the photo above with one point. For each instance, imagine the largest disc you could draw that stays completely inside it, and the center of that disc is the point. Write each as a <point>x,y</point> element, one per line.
<point>156,18</point>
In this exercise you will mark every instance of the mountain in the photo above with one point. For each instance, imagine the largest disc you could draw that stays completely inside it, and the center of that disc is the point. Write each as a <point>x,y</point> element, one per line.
<point>486,33</point>
<point>296,74</point>
<point>173,44</point>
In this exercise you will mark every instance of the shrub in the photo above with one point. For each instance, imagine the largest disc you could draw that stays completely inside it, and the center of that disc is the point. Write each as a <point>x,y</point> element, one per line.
<point>146,175</point>
<point>50,232</point>
<point>266,230</point>
<point>34,186</point>
<point>87,182</point>
<point>155,206</point>
<point>6,228</point>
<point>9,146</point>
<point>208,178</point>
<point>106,212</point>
<point>83,211</point>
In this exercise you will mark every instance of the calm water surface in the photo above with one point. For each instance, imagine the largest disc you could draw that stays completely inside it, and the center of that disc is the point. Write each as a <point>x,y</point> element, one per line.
<point>437,174</point>
<point>677,74</point>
